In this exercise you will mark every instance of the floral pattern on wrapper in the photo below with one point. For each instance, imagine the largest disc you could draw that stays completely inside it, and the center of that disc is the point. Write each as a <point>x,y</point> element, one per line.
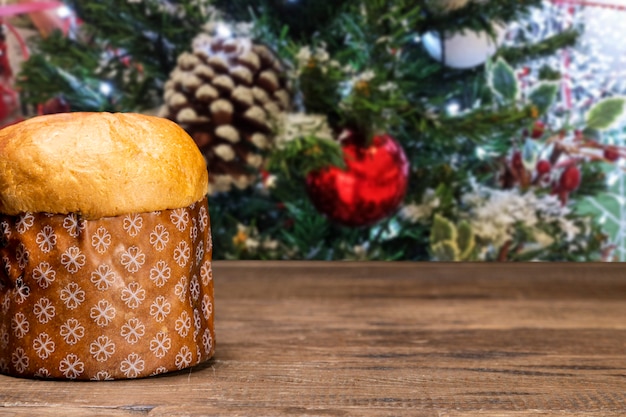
<point>114,298</point>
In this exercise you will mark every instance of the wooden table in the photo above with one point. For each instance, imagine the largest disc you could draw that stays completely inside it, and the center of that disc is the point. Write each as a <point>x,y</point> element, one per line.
<point>384,339</point>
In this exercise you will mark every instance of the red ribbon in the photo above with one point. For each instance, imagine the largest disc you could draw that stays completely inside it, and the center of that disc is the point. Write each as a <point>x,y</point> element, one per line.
<point>14,9</point>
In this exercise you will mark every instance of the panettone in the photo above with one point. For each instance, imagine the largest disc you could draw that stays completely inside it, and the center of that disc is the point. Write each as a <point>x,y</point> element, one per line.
<point>105,248</point>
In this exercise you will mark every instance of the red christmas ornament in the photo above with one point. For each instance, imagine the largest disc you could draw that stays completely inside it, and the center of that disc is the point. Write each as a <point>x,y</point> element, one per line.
<point>370,189</point>
<point>54,105</point>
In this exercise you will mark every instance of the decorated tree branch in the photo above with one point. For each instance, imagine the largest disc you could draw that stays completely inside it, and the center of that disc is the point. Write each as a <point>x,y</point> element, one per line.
<point>391,130</point>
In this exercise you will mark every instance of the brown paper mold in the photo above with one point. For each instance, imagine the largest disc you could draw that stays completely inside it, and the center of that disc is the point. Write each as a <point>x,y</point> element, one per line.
<point>112,298</point>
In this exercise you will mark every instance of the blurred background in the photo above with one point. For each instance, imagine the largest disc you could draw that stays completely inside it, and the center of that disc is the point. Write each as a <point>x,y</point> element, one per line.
<point>434,130</point>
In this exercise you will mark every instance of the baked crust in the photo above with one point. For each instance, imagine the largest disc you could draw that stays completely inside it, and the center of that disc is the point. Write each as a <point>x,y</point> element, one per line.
<point>98,165</point>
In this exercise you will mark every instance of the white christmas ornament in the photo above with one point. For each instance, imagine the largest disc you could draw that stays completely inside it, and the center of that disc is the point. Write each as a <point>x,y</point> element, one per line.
<point>465,49</point>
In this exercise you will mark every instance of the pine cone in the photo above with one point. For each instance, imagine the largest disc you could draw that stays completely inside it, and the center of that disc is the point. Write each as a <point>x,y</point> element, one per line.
<point>225,94</point>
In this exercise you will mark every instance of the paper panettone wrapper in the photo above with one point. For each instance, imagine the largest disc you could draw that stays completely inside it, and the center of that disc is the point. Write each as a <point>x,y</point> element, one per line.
<point>113,298</point>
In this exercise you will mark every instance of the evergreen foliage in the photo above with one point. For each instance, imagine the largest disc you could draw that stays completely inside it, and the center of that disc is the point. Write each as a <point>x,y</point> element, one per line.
<point>362,66</point>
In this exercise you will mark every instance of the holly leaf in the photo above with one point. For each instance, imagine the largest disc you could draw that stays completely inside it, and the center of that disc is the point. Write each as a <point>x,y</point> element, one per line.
<point>442,230</point>
<point>543,95</point>
<point>445,251</point>
<point>502,80</point>
<point>605,113</point>
<point>465,239</point>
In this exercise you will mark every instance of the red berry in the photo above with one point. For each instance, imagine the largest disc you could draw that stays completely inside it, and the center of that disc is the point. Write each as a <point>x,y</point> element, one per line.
<point>538,129</point>
<point>578,134</point>
<point>516,160</point>
<point>543,167</point>
<point>570,179</point>
<point>611,154</point>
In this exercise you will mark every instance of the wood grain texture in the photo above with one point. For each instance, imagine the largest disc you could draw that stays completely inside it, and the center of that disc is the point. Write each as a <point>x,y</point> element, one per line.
<point>384,339</point>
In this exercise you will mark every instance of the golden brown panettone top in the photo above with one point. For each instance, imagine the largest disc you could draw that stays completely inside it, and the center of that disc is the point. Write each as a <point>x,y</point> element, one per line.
<point>98,165</point>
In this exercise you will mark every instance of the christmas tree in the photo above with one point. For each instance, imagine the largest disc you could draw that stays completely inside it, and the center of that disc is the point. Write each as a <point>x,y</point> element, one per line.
<point>379,130</point>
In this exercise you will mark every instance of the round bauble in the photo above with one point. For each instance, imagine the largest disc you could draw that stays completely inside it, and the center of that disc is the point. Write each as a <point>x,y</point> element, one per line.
<point>225,94</point>
<point>371,187</point>
<point>54,105</point>
<point>465,49</point>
